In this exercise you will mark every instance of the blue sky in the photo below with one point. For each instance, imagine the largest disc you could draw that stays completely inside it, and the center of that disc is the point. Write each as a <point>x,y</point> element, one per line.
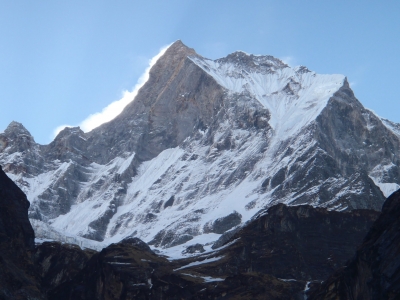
<point>61,61</point>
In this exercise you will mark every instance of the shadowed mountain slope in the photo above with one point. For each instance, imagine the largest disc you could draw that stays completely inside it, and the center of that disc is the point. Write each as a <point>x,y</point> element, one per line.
<point>18,276</point>
<point>374,272</point>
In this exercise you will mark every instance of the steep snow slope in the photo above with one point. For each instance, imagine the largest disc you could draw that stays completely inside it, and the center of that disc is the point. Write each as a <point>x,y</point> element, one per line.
<point>203,147</point>
<point>294,97</point>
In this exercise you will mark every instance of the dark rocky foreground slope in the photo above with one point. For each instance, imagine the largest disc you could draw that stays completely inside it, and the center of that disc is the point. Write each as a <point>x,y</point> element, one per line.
<point>293,243</point>
<point>18,276</point>
<point>273,257</point>
<point>374,272</point>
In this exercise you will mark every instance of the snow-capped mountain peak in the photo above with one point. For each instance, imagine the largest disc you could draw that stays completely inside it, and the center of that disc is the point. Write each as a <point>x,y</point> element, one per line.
<point>204,146</point>
<point>245,61</point>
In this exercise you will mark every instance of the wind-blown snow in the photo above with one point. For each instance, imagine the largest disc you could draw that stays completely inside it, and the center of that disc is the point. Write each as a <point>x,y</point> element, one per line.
<point>115,108</point>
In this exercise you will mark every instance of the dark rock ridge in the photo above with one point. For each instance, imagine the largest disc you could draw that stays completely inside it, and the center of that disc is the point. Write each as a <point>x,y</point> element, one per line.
<point>18,276</point>
<point>300,243</point>
<point>208,142</point>
<point>374,272</point>
<point>58,263</point>
<point>273,257</point>
<point>123,271</point>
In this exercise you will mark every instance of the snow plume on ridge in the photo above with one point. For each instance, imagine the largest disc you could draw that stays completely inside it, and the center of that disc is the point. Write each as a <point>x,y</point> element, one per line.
<point>115,108</point>
<point>58,129</point>
<point>289,60</point>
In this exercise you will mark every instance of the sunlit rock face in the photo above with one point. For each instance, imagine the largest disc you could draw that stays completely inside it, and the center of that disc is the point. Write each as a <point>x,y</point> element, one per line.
<point>204,146</point>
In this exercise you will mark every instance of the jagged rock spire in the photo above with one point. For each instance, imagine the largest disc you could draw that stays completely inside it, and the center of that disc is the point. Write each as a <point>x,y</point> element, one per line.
<point>16,128</point>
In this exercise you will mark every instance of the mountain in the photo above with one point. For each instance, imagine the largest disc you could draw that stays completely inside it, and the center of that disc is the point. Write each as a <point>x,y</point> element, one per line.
<point>204,146</point>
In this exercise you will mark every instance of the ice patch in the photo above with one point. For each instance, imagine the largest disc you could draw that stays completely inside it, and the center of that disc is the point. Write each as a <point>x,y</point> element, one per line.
<point>205,278</point>
<point>196,263</point>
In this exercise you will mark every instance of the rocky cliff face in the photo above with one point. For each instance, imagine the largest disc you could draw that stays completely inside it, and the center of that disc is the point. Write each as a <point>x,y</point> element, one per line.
<point>203,147</point>
<point>374,272</point>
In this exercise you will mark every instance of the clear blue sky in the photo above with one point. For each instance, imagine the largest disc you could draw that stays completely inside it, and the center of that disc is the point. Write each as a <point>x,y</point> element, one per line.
<point>61,61</point>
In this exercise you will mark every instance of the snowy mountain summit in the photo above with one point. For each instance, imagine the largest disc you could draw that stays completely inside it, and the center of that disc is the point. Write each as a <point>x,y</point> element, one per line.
<point>294,97</point>
<point>205,146</point>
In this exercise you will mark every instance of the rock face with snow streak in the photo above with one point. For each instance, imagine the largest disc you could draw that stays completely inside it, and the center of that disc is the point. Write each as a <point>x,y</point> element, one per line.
<point>203,147</point>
